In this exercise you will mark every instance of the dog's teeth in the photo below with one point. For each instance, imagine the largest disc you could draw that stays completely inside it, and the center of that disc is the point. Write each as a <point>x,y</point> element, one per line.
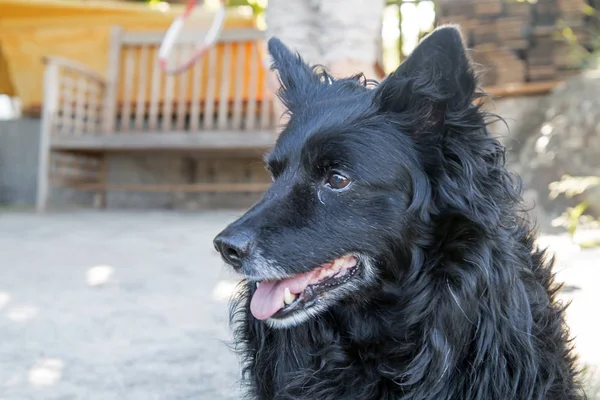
<point>257,283</point>
<point>288,297</point>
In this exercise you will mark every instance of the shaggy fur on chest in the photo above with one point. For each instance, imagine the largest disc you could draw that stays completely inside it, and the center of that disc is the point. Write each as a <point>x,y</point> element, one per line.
<point>500,337</point>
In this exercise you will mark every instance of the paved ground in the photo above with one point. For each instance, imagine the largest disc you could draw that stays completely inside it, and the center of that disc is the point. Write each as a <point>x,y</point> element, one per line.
<point>132,305</point>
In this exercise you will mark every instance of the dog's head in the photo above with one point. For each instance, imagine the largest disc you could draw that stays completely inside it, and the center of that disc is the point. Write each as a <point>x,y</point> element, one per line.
<point>353,176</point>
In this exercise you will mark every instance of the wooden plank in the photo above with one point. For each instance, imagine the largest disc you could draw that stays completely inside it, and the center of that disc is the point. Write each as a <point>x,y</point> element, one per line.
<point>223,108</point>
<point>190,37</point>
<point>51,95</point>
<point>92,111</point>
<point>66,107</point>
<point>80,104</point>
<point>511,28</point>
<point>266,110</point>
<point>128,77</point>
<point>196,95</point>
<point>521,89</point>
<point>516,44</point>
<point>488,8</point>
<point>185,53</point>
<point>167,108</point>
<point>518,8</point>
<point>542,73</point>
<point>239,63</point>
<point>76,67</point>
<point>221,140</point>
<point>193,187</point>
<point>154,94</point>
<point>252,88</point>
<point>209,100</point>
<point>112,79</point>
<point>140,109</point>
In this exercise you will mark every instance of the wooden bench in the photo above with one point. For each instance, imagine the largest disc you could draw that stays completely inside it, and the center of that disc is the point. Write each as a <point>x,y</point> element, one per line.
<point>219,108</point>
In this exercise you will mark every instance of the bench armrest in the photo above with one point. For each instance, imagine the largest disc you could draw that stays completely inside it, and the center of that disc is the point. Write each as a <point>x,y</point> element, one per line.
<point>76,68</point>
<point>74,96</point>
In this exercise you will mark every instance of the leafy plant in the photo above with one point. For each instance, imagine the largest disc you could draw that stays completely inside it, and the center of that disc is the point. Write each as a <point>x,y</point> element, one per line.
<point>587,56</point>
<point>574,217</point>
<point>258,6</point>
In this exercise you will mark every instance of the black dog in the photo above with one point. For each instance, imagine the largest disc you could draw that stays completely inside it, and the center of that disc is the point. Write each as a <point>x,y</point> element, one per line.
<point>388,260</point>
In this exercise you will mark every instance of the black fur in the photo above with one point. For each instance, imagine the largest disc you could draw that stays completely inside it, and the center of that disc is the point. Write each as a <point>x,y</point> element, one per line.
<point>462,304</point>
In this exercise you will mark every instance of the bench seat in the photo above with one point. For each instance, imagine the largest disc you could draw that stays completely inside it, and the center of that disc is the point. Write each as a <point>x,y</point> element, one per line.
<point>173,141</point>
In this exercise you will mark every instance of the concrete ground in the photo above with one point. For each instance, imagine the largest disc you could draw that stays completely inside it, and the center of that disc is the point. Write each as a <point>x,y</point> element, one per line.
<point>133,305</point>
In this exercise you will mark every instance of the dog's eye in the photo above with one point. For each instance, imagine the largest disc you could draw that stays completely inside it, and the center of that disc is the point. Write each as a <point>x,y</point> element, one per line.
<point>337,180</point>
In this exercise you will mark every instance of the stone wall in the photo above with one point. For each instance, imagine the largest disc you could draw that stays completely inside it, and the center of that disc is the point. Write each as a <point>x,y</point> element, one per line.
<point>513,131</point>
<point>552,136</point>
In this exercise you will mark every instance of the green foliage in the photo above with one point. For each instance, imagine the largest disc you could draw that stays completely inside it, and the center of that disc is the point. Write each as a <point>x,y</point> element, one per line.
<point>587,56</point>
<point>574,217</point>
<point>590,375</point>
<point>258,6</point>
<point>575,214</point>
<point>572,186</point>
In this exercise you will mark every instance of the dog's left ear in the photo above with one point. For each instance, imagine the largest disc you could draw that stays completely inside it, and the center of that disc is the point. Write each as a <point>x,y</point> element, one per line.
<point>435,79</point>
<point>294,74</point>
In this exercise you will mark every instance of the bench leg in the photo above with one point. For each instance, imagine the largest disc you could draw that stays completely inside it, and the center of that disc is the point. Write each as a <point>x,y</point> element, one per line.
<point>49,108</point>
<point>100,196</point>
<point>43,178</point>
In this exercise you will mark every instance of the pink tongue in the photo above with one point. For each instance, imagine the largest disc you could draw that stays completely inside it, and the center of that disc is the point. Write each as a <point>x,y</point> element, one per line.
<point>268,298</point>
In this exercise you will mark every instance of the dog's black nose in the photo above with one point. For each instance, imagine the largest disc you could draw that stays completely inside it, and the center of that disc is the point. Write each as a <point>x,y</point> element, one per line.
<point>234,247</point>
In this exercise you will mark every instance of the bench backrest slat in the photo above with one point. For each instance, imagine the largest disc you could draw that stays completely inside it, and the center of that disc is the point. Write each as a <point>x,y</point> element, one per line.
<point>197,90</point>
<point>209,98</point>
<point>266,110</point>
<point>238,64</point>
<point>167,109</point>
<point>112,79</point>
<point>66,97</point>
<point>80,102</point>
<point>128,80</point>
<point>224,90</point>
<point>190,37</point>
<point>185,52</point>
<point>223,109</point>
<point>252,88</point>
<point>155,83</point>
<point>93,110</point>
<point>142,89</point>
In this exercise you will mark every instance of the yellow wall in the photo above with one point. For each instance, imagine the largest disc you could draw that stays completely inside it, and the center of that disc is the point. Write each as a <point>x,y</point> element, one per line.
<point>30,30</point>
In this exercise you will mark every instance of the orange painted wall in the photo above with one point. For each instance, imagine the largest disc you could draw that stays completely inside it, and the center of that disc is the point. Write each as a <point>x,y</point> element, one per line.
<point>30,30</point>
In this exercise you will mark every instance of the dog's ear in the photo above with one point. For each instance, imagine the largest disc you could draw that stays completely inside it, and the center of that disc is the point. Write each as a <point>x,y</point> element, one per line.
<point>294,74</point>
<point>435,79</point>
